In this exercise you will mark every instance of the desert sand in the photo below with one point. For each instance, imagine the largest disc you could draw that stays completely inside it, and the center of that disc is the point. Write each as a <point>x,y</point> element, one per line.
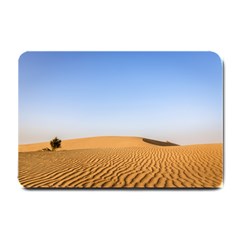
<point>120,162</point>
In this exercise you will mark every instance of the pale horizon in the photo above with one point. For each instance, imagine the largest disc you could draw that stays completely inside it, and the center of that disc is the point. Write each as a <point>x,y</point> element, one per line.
<point>166,96</point>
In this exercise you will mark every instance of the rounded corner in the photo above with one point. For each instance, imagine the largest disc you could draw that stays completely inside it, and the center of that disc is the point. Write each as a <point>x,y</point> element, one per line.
<point>216,55</point>
<point>220,186</point>
<point>19,181</point>
<point>22,55</point>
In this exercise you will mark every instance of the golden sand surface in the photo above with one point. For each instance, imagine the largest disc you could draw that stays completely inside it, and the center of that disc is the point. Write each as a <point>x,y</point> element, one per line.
<point>120,162</point>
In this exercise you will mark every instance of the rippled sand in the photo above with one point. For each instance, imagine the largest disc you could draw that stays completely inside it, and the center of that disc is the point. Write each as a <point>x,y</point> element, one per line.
<point>120,162</point>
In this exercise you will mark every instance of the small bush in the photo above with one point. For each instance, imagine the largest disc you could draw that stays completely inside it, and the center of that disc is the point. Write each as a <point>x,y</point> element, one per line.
<point>55,143</point>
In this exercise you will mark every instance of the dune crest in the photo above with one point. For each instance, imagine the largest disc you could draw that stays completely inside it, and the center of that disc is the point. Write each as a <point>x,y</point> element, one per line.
<point>120,162</point>
<point>86,143</point>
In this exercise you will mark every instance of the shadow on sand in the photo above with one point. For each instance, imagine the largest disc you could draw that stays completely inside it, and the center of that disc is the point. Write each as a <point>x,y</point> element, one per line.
<point>159,143</point>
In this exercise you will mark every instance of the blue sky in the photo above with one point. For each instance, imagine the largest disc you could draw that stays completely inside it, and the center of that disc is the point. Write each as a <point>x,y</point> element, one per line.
<point>174,96</point>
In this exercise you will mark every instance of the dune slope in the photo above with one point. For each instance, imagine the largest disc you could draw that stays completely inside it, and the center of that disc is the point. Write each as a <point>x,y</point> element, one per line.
<point>118,162</point>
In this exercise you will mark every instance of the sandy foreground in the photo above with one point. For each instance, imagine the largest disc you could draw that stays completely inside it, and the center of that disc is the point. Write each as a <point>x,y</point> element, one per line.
<point>120,162</point>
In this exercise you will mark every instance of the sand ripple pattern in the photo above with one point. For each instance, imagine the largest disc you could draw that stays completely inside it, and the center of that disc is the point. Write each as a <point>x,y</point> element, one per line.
<point>146,166</point>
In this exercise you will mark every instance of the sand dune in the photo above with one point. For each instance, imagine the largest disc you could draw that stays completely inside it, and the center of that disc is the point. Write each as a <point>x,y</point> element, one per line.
<point>85,143</point>
<point>120,162</point>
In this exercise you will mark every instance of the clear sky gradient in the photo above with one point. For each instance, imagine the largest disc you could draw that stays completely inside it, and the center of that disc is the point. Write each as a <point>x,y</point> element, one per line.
<point>174,96</point>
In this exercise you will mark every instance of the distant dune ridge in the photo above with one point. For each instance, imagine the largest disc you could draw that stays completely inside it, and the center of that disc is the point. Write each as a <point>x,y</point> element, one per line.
<point>121,162</point>
<point>92,142</point>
